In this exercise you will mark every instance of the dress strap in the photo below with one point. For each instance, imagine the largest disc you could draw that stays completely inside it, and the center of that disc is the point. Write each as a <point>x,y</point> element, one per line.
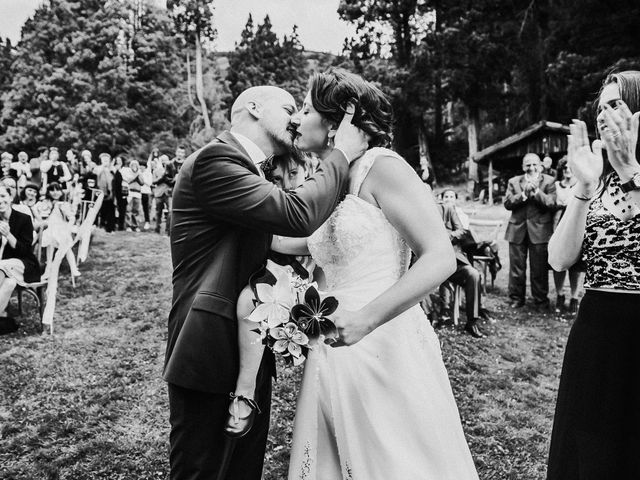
<point>364,165</point>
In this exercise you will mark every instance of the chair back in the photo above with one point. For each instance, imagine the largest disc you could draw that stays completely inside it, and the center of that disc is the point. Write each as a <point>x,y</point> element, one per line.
<point>486,230</point>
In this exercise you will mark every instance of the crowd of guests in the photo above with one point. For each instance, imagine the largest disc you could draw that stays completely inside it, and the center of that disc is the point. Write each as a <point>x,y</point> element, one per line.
<point>46,197</point>
<point>136,192</point>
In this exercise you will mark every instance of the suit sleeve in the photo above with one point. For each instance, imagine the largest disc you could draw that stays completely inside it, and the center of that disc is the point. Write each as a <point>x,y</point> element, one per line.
<point>546,195</point>
<point>229,191</point>
<point>454,226</point>
<point>512,199</point>
<point>24,236</point>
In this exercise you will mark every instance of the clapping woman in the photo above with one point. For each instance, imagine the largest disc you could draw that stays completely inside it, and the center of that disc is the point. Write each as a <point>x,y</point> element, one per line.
<point>597,420</point>
<point>17,261</point>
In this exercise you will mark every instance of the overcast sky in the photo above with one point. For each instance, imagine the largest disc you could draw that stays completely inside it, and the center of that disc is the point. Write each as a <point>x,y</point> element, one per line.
<point>318,24</point>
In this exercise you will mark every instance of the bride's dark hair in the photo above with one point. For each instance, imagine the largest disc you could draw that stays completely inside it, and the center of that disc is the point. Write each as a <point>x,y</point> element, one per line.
<point>332,91</point>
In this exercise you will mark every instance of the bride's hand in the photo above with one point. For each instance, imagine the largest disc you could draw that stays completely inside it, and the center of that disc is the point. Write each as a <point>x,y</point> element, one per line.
<point>349,139</point>
<point>352,327</point>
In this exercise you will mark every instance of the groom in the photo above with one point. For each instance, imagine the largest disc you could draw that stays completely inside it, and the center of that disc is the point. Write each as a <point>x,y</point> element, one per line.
<point>224,215</point>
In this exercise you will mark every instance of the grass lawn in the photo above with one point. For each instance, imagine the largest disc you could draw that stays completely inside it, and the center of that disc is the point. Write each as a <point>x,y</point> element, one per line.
<point>89,402</point>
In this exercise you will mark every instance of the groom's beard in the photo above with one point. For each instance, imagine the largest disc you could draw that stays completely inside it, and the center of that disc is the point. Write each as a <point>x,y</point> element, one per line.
<point>284,140</point>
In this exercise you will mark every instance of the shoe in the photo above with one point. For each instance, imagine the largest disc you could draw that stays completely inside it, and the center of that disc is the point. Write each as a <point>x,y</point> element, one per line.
<point>238,426</point>
<point>146,226</point>
<point>543,306</point>
<point>128,229</point>
<point>486,315</point>
<point>471,327</point>
<point>559,307</point>
<point>517,304</point>
<point>445,321</point>
<point>573,306</point>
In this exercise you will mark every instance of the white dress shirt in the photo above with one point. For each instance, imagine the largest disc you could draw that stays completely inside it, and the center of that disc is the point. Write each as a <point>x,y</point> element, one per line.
<point>255,153</point>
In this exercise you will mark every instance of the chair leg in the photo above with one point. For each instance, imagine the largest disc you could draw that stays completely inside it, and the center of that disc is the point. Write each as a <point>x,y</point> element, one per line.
<point>455,309</point>
<point>19,301</point>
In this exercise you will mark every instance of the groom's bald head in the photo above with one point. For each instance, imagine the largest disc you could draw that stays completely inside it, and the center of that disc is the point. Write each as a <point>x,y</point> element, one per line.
<point>260,97</point>
<point>263,114</point>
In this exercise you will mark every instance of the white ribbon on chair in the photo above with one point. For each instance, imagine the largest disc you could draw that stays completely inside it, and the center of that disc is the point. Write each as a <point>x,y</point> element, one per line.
<point>84,235</point>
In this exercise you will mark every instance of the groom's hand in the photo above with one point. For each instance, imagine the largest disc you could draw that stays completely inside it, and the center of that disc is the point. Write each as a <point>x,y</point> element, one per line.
<point>349,139</point>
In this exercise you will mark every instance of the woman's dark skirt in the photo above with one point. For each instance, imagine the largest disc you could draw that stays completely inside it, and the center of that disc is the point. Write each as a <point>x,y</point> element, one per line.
<point>596,429</point>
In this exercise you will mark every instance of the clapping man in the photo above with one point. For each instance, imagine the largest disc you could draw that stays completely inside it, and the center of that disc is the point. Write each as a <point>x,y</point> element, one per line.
<point>531,198</point>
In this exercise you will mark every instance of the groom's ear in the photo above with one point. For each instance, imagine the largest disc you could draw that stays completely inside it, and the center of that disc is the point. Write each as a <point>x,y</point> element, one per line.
<point>254,109</point>
<point>332,132</point>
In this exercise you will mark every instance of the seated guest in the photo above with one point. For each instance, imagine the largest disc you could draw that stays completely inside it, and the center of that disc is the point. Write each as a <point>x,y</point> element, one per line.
<point>469,242</point>
<point>18,264</point>
<point>450,197</point>
<point>12,187</point>
<point>465,275</point>
<point>29,199</point>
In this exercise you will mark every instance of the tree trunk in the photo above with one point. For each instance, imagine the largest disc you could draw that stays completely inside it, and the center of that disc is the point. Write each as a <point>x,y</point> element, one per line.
<point>438,100</point>
<point>425,158</point>
<point>200,85</point>
<point>473,123</point>
<point>191,102</point>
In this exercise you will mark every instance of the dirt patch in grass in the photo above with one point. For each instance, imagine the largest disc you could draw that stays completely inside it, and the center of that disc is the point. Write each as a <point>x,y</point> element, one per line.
<point>89,402</point>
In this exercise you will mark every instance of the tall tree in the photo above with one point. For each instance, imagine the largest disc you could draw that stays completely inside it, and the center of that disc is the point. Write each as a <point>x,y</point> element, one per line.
<point>83,77</point>
<point>6,59</point>
<point>261,58</point>
<point>194,20</point>
<point>384,51</point>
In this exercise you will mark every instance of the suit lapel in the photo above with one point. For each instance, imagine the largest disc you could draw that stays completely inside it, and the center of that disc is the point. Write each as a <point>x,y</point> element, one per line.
<point>228,138</point>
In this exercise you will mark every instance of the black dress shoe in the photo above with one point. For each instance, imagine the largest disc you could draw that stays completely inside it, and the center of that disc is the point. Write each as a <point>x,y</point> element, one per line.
<point>517,304</point>
<point>542,306</point>
<point>573,306</point>
<point>236,425</point>
<point>471,327</point>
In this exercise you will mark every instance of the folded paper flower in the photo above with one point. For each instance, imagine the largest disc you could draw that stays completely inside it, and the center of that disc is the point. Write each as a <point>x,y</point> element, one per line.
<point>312,316</point>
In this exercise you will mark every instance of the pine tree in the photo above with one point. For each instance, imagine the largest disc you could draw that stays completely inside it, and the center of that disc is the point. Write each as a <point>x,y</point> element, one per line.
<point>6,59</point>
<point>89,74</point>
<point>262,59</point>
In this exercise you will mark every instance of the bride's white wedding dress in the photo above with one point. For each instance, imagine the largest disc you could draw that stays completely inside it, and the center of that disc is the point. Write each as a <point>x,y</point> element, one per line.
<point>383,408</point>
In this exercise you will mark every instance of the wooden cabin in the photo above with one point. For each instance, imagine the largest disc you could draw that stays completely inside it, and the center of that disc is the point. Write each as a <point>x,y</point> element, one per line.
<point>544,138</point>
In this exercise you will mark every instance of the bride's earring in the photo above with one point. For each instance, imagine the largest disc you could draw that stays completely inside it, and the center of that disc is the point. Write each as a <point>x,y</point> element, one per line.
<point>329,142</point>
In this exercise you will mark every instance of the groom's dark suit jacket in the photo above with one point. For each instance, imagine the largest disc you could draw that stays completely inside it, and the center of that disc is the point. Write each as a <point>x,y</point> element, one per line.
<point>223,218</point>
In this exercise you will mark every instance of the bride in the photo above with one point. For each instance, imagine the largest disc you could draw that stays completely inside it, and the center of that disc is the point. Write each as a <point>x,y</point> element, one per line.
<point>377,404</point>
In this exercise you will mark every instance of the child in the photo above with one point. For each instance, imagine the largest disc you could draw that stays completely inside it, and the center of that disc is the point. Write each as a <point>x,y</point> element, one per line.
<point>287,173</point>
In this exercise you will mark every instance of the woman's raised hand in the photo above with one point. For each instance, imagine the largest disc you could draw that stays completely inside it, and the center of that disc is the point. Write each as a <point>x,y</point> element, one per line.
<point>584,160</point>
<point>619,131</point>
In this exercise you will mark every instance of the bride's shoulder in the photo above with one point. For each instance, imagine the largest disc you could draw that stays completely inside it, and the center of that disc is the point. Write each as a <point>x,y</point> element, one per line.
<point>384,163</point>
<point>383,169</point>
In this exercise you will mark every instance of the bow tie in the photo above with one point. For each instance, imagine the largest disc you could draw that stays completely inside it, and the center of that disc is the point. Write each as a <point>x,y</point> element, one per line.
<point>267,165</point>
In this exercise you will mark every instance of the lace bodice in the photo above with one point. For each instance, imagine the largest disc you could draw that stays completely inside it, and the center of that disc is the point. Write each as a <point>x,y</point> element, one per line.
<point>357,244</point>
